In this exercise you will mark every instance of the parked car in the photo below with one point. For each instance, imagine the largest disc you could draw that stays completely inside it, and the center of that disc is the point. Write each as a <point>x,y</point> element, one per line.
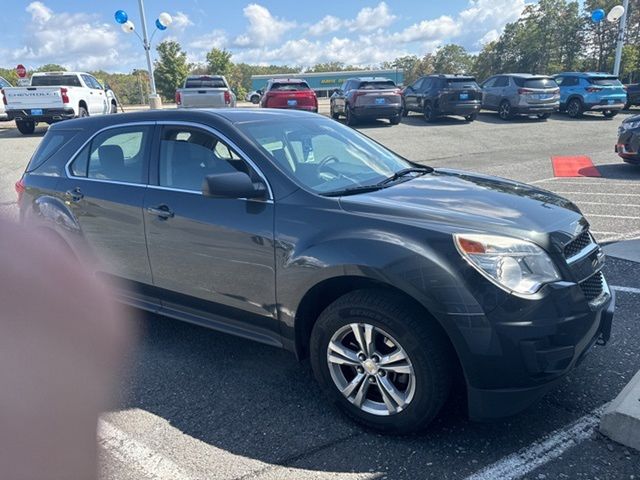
<point>628,144</point>
<point>292,93</point>
<point>254,97</point>
<point>438,95</point>
<point>205,91</point>
<point>367,98</point>
<point>590,91</point>
<point>3,114</point>
<point>294,230</point>
<point>633,95</point>
<point>521,94</point>
<point>56,96</point>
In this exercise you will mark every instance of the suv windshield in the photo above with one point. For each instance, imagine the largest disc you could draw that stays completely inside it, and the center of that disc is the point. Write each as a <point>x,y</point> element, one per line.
<point>379,85</point>
<point>605,81</point>
<point>290,86</point>
<point>461,83</point>
<point>204,83</point>
<point>542,82</point>
<point>55,81</point>
<point>324,155</point>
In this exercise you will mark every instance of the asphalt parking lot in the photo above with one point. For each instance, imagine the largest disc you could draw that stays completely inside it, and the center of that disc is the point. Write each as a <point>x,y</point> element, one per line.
<point>202,405</point>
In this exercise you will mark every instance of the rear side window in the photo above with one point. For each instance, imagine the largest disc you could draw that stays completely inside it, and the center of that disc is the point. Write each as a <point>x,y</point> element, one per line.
<point>605,81</point>
<point>461,83</point>
<point>378,85</point>
<point>53,141</point>
<point>535,82</point>
<point>56,81</point>
<point>501,82</point>
<point>567,81</point>
<point>292,87</point>
<point>205,82</point>
<point>117,155</point>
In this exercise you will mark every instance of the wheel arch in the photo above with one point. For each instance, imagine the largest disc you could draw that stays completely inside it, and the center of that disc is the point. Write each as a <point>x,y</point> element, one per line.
<point>83,104</point>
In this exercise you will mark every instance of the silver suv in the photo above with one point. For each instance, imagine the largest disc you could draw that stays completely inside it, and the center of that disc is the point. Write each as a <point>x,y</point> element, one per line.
<point>521,94</point>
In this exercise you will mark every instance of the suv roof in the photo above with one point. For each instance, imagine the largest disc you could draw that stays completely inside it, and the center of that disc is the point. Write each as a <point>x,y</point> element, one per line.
<point>288,80</point>
<point>370,79</point>
<point>191,77</point>
<point>524,75</point>
<point>587,74</point>
<point>451,75</point>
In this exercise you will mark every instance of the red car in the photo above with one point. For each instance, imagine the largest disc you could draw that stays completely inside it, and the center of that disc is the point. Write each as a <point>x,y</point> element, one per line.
<point>292,93</point>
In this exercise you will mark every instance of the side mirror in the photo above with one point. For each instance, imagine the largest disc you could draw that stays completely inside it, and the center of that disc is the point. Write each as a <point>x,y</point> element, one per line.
<point>259,92</point>
<point>232,185</point>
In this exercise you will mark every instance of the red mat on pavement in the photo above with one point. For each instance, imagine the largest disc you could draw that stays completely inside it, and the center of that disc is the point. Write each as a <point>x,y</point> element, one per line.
<point>578,166</point>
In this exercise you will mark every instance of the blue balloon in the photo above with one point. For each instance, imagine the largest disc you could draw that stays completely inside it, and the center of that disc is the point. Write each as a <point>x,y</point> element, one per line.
<point>160,26</point>
<point>597,15</point>
<point>121,16</point>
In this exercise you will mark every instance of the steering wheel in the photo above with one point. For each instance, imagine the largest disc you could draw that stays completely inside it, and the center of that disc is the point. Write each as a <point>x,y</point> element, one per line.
<point>322,165</point>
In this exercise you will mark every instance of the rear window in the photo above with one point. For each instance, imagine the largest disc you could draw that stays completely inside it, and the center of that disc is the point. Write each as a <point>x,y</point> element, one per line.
<point>205,83</point>
<point>461,83</point>
<point>605,81</point>
<point>535,82</point>
<point>55,81</point>
<point>53,141</point>
<point>292,87</point>
<point>380,85</point>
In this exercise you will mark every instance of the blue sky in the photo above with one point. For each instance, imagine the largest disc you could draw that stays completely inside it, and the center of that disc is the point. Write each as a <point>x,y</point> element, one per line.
<point>83,34</point>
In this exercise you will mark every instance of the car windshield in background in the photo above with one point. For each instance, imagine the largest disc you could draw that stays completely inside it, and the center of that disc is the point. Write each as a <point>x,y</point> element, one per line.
<point>377,85</point>
<point>56,81</point>
<point>324,155</point>
<point>605,81</point>
<point>292,87</point>
<point>461,83</point>
<point>205,83</point>
<point>544,82</point>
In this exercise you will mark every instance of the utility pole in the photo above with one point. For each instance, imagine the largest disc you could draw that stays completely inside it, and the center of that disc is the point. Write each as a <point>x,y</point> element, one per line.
<point>154,98</point>
<point>622,28</point>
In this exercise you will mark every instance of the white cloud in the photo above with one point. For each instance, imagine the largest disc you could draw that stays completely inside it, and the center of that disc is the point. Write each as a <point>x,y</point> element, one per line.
<point>39,12</point>
<point>180,21</point>
<point>264,28</point>
<point>327,25</point>
<point>428,30</point>
<point>214,39</point>
<point>370,19</point>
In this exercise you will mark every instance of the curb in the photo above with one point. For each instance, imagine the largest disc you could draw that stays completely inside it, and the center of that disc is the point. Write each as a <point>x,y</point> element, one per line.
<point>621,419</point>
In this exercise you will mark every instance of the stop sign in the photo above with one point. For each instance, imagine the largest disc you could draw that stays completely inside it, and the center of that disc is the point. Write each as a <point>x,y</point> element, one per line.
<point>21,71</point>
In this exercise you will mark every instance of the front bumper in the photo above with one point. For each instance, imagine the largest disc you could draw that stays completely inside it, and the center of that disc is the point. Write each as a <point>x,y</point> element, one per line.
<point>48,115</point>
<point>462,109</point>
<point>628,146</point>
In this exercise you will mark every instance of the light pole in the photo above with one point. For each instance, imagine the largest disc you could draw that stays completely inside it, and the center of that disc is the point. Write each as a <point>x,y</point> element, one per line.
<point>162,22</point>
<point>621,32</point>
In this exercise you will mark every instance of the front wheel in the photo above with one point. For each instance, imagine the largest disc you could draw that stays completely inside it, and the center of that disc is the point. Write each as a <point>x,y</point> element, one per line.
<point>82,112</point>
<point>504,110</point>
<point>429,113</point>
<point>255,99</point>
<point>544,116</point>
<point>405,112</point>
<point>395,120</point>
<point>381,361</point>
<point>610,113</point>
<point>26,127</point>
<point>335,115</point>
<point>471,118</point>
<point>114,108</point>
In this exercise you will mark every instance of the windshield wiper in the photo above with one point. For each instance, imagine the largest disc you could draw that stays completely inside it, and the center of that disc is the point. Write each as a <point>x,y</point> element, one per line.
<point>354,190</point>
<point>405,171</point>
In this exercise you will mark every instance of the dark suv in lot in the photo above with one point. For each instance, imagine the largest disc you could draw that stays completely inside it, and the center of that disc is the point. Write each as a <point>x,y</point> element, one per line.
<point>437,95</point>
<point>633,95</point>
<point>291,229</point>
<point>367,98</point>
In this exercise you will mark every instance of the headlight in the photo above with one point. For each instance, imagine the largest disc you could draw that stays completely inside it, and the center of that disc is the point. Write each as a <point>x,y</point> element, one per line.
<point>629,125</point>
<point>512,264</point>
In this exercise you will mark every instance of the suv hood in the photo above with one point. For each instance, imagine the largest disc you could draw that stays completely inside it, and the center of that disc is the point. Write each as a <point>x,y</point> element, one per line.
<point>463,201</point>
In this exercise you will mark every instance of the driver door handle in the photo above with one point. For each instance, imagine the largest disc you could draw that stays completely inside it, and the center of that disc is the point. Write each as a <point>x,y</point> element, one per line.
<point>161,211</point>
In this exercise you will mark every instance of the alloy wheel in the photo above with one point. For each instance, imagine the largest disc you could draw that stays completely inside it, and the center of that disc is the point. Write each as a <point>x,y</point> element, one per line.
<point>573,109</point>
<point>371,369</point>
<point>504,111</point>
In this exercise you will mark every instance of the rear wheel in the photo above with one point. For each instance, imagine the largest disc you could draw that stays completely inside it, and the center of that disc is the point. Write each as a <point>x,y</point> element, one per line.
<point>574,108</point>
<point>26,127</point>
<point>471,118</point>
<point>114,108</point>
<point>610,113</point>
<point>504,110</point>
<point>627,106</point>
<point>429,112</point>
<point>350,117</point>
<point>255,99</point>
<point>82,112</point>
<point>395,120</point>
<point>381,361</point>
<point>405,112</point>
<point>543,116</point>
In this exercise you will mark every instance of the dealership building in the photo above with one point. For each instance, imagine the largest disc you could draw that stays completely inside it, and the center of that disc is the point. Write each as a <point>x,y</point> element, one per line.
<point>324,83</point>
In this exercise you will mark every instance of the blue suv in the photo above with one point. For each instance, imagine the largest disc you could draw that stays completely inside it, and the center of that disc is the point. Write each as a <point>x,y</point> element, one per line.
<point>584,91</point>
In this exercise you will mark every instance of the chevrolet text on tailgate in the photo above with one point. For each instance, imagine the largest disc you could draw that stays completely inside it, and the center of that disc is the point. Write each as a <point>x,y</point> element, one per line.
<point>56,96</point>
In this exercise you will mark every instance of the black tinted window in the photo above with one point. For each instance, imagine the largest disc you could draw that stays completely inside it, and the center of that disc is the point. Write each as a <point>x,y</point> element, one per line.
<point>378,85</point>
<point>205,82</point>
<point>535,82</point>
<point>290,86</point>
<point>188,155</point>
<point>501,82</point>
<point>567,81</point>
<point>55,81</point>
<point>461,83</point>
<point>418,84</point>
<point>53,141</point>
<point>605,81</point>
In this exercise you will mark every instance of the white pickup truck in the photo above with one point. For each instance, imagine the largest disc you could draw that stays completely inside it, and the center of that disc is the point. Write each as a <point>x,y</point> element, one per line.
<point>3,115</point>
<point>205,91</point>
<point>55,96</point>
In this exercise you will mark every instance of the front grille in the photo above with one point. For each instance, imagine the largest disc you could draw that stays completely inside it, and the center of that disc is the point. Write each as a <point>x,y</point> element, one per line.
<point>578,244</point>
<point>593,286</point>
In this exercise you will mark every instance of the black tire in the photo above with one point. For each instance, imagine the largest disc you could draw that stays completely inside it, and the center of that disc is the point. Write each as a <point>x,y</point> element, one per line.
<point>429,113</point>
<point>422,340</point>
<point>350,117</point>
<point>114,108</point>
<point>255,99</point>
<point>610,113</point>
<point>627,106</point>
<point>26,127</point>
<point>543,116</point>
<point>82,112</point>
<point>574,108</point>
<point>504,110</point>
<point>335,115</point>
<point>395,120</point>
<point>405,112</point>
<point>471,118</point>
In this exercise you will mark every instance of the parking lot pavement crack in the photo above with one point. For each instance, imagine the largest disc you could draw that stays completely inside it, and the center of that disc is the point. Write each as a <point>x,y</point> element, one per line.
<point>291,459</point>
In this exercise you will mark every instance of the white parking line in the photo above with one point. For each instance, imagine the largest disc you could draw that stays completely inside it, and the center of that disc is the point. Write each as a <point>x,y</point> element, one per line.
<point>610,216</point>
<point>626,289</point>
<point>131,452</point>
<point>543,180</point>
<point>626,184</point>
<point>596,193</point>
<point>543,451</point>
<point>609,204</point>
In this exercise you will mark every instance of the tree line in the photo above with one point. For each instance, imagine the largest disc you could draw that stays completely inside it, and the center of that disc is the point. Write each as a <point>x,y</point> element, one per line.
<point>550,36</point>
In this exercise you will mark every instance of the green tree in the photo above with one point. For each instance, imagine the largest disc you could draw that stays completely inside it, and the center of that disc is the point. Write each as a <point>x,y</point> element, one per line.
<point>219,62</point>
<point>51,67</point>
<point>452,59</point>
<point>171,68</point>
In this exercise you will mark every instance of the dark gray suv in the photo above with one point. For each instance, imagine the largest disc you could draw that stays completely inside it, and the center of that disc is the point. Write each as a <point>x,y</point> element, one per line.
<point>294,230</point>
<point>521,94</point>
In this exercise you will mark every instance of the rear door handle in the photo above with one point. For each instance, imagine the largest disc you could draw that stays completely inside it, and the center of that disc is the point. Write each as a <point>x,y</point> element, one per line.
<point>75,195</point>
<point>162,211</point>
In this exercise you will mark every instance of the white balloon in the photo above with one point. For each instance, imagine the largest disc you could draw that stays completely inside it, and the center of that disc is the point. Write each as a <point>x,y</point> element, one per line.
<point>165,19</point>
<point>128,26</point>
<point>615,13</point>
